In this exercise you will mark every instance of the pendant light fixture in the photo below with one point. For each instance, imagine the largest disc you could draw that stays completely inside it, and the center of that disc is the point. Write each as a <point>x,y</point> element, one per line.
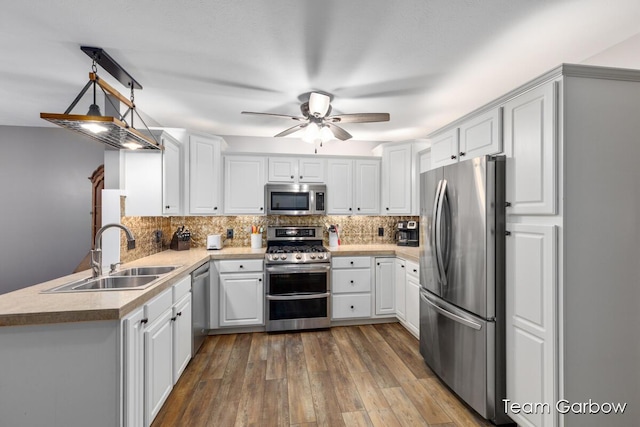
<point>113,131</point>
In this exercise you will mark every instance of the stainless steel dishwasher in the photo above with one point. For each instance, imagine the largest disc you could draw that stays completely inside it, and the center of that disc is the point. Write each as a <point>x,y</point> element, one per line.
<point>200,301</point>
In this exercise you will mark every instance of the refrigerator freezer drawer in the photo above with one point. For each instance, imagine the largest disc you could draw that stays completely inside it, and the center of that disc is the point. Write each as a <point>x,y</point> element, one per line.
<point>458,347</point>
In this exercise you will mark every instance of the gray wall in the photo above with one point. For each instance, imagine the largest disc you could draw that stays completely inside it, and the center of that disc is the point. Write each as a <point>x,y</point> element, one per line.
<point>45,199</point>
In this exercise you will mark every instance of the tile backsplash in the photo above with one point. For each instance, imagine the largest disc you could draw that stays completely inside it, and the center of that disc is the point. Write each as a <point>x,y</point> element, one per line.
<point>353,230</point>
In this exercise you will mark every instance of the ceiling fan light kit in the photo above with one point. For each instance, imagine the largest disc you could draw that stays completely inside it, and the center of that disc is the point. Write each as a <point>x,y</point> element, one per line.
<point>113,131</point>
<point>316,122</point>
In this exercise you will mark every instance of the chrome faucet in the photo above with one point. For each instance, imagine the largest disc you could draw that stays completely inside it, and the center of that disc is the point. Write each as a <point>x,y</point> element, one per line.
<point>96,254</point>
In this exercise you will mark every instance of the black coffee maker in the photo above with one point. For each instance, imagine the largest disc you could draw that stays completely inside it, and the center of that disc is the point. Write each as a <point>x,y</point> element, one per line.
<point>408,233</point>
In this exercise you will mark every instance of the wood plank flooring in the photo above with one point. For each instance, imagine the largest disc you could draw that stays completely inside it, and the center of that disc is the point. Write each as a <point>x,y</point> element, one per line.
<point>369,375</point>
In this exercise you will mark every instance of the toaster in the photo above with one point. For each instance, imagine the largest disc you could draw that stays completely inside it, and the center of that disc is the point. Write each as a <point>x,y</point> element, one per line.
<point>214,241</point>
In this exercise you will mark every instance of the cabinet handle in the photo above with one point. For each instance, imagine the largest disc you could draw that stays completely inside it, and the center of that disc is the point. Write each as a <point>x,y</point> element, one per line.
<point>350,209</point>
<point>453,157</point>
<point>358,208</point>
<point>415,271</point>
<point>261,208</point>
<point>143,321</point>
<point>173,319</point>
<point>402,266</point>
<point>300,176</point>
<point>352,307</point>
<point>179,313</point>
<point>241,266</point>
<point>215,208</point>
<point>462,153</point>
<point>259,280</point>
<point>167,207</point>
<point>507,204</point>
<point>351,282</point>
<point>291,176</point>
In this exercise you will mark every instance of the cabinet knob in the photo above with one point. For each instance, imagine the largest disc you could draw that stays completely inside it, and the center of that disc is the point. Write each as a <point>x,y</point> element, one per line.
<point>261,208</point>
<point>453,157</point>
<point>352,307</point>
<point>215,208</point>
<point>179,313</point>
<point>387,208</point>
<point>300,176</point>
<point>259,280</point>
<point>350,209</point>
<point>241,266</point>
<point>351,282</point>
<point>378,263</point>
<point>402,266</point>
<point>462,153</point>
<point>507,204</point>
<point>143,321</point>
<point>351,262</point>
<point>167,207</point>
<point>173,319</point>
<point>291,176</point>
<point>358,208</point>
<point>415,271</point>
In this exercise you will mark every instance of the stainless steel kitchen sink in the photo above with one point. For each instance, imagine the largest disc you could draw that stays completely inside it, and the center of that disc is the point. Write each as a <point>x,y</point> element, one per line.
<point>106,283</point>
<point>145,271</point>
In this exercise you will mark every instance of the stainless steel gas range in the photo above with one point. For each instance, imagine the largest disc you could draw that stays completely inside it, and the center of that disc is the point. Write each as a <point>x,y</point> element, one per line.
<point>298,270</point>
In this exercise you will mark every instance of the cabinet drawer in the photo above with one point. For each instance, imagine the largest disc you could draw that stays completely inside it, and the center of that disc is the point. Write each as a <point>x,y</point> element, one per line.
<point>347,281</point>
<point>181,288</point>
<point>351,262</point>
<point>351,306</point>
<point>413,269</point>
<point>240,265</point>
<point>158,305</point>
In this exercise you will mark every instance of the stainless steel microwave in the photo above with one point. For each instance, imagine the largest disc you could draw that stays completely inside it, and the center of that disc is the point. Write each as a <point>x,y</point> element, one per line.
<point>295,199</point>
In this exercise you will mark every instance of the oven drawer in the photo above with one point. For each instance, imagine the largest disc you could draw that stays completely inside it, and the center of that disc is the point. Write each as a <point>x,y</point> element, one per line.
<point>351,262</point>
<point>240,266</point>
<point>349,281</point>
<point>351,306</point>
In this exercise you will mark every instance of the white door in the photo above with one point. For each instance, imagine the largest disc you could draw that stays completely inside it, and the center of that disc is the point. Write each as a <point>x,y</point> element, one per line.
<point>133,365</point>
<point>396,180</point>
<point>444,149</point>
<point>531,319</point>
<point>400,283</point>
<point>182,336</point>
<point>244,180</point>
<point>340,187</point>
<point>412,299</point>
<point>529,144</point>
<point>282,169</point>
<point>204,175</point>
<point>241,299</point>
<point>171,188</point>
<point>481,135</point>
<point>142,182</point>
<point>158,365</point>
<point>385,289</point>
<point>311,170</point>
<point>367,187</point>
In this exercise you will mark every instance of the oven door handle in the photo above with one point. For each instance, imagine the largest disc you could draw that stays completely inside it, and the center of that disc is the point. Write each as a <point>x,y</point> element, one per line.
<point>299,268</point>
<point>289,297</point>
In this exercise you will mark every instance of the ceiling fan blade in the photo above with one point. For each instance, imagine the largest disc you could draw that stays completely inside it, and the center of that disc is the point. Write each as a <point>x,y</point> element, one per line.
<point>291,130</point>
<point>319,104</point>
<point>283,116</point>
<point>338,132</point>
<point>359,118</point>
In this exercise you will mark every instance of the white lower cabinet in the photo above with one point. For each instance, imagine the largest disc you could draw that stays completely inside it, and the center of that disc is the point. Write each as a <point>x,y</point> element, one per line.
<point>241,293</point>
<point>385,287</point>
<point>399,274</point>
<point>351,287</point>
<point>156,349</point>
<point>412,298</point>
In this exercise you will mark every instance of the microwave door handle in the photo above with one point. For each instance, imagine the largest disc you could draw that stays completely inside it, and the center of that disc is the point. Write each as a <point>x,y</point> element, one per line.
<point>438,234</point>
<point>434,228</point>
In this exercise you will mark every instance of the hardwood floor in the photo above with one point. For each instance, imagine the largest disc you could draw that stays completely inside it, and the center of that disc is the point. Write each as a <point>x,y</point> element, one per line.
<point>369,375</point>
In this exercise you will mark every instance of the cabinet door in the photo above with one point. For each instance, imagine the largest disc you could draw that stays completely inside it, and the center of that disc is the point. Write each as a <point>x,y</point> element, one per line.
<point>529,140</point>
<point>244,180</point>
<point>400,273</point>
<point>481,135</point>
<point>531,303</point>
<point>181,336</point>
<point>311,170</point>
<point>158,365</point>
<point>340,187</point>
<point>204,175</point>
<point>367,187</point>
<point>282,169</point>
<point>396,180</point>
<point>171,182</point>
<point>241,299</point>
<point>444,149</point>
<point>385,289</point>
<point>349,306</point>
<point>142,183</point>
<point>133,367</point>
<point>412,301</point>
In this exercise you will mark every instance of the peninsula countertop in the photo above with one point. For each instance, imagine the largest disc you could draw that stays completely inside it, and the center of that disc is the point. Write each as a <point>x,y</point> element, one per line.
<point>30,306</point>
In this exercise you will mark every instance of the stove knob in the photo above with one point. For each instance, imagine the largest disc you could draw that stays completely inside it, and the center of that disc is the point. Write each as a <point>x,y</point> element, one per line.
<point>320,256</point>
<point>283,257</point>
<point>298,256</point>
<point>312,256</point>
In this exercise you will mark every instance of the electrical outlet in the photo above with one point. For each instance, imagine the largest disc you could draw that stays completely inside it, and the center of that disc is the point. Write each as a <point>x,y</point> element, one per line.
<point>380,231</point>
<point>158,236</point>
<point>229,233</point>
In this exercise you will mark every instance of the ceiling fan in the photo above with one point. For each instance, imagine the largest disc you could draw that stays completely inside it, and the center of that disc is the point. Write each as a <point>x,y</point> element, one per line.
<point>317,122</point>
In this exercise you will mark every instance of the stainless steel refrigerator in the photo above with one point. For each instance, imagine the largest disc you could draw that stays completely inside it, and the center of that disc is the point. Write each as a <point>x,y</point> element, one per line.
<point>462,276</point>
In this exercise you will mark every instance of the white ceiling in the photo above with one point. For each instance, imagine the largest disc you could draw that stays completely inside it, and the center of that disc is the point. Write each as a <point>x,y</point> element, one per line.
<point>426,62</point>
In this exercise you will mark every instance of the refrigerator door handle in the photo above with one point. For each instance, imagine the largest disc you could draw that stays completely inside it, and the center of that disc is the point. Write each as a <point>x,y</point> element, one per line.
<point>434,229</point>
<point>438,233</point>
<point>454,317</point>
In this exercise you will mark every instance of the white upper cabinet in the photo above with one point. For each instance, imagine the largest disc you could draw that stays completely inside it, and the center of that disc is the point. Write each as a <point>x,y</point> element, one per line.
<point>396,179</point>
<point>444,149</point>
<point>244,180</point>
<point>152,179</point>
<point>529,130</point>
<point>205,175</point>
<point>296,170</point>
<point>353,187</point>
<point>478,136</point>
